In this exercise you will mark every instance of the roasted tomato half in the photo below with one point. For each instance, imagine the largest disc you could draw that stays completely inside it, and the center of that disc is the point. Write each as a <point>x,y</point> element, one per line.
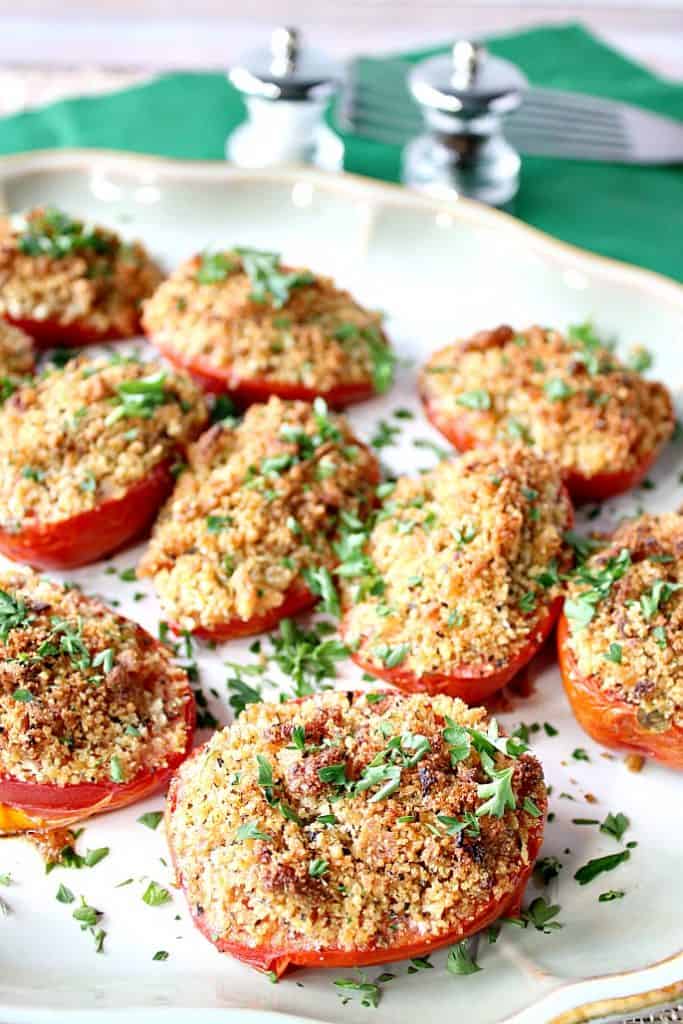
<point>87,456</point>
<point>240,322</point>
<point>329,813</point>
<point>567,397</point>
<point>620,640</point>
<point>457,584</point>
<point>68,283</point>
<point>94,713</point>
<point>249,535</point>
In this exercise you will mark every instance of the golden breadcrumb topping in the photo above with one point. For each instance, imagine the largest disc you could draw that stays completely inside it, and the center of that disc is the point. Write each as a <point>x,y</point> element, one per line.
<point>259,506</point>
<point>625,612</point>
<point>85,695</point>
<point>54,267</point>
<point>232,312</point>
<point>16,352</point>
<point>84,434</point>
<point>566,396</point>
<point>461,565</point>
<point>352,822</point>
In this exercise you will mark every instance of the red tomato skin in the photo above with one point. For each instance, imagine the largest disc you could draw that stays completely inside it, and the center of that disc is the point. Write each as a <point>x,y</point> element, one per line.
<point>473,685</point>
<point>221,381</point>
<point>60,806</point>
<point>297,599</point>
<point>53,334</point>
<point>84,538</point>
<point>281,961</point>
<point>583,489</point>
<point>609,720</point>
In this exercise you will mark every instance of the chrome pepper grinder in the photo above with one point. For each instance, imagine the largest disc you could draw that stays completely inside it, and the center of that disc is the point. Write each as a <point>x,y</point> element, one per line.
<point>286,88</point>
<point>463,98</point>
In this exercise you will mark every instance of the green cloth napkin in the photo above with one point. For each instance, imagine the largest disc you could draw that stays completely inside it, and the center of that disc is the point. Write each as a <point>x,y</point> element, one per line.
<point>631,213</point>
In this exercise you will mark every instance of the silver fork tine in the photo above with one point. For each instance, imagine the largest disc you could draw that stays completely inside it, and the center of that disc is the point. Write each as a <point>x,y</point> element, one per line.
<point>549,122</point>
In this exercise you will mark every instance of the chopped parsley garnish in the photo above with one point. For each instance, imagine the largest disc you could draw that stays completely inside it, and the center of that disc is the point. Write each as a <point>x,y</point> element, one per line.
<point>390,656</point>
<point>497,794</point>
<point>581,609</point>
<point>116,773</point>
<point>214,524</point>
<point>139,397</point>
<point>598,865</point>
<point>610,895</point>
<point>540,914</point>
<point>64,894</point>
<point>242,694</point>
<point>615,825</point>
<point>639,359</point>
<point>269,282</point>
<point>431,446</point>
<point>22,695</point>
<point>530,807</point>
<point>527,602</point>
<point>55,234</point>
<point>215,267</point>
<point>660,591</point>
<point>460,960</point>
<point>590,348</point>
<point>385,435</point>
<point>317,868</point>
<point>320,583</point>
<point>161,954</point>
<point>87,916</point>
<point>518,431</point>
<point>547,868</point>
<point>557,389</point>
<point>155,895</point>
<point>151,819</point>
<point>251,831</point>
<point>13,614</point>
<point>369,992</point>
<point>613,653</point>
<point>478,399</point>
<point>580,754</point>
<point>583,546</point>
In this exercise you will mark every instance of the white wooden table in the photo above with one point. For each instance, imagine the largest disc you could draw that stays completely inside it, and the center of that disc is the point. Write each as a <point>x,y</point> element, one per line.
<point>48,51</point>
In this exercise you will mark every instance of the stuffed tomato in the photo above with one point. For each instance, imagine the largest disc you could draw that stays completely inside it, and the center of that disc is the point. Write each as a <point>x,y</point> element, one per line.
<point>242,323</point>
<point>567,397</point>
<point>65,282</point>
<point>94,713</point>
<point>87,456</point>
<point>248,536</point>
<point>620,640</point>
<point>457,584</point>
<point>346,829</point>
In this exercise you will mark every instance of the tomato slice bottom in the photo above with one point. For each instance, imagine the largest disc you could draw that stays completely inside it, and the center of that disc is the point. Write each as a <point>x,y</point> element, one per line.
<point>89,536</point>
<point>30,806</point>
<point>297,599</point>
<point>609,720</point>
<point>583,489</point>
<point>281,960</point>
<point>473,685</point>
<point>220,380</point>
<point>53,334</point>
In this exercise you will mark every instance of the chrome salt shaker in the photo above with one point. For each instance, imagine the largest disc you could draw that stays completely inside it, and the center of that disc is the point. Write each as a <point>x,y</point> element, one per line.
<point>286,88</point>
<point>464,98</point>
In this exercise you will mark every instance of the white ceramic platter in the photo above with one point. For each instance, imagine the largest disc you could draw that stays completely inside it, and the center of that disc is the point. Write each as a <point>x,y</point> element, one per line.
<point>439,270</point>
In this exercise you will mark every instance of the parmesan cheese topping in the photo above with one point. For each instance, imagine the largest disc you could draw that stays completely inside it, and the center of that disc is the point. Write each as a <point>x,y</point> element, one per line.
<point>283,833</point>
<point>212,311</point>
<point>53,267</point>
<point>461,565</point>
<point>260,503</point>
<point>16,352</point>
<point>86,433</point>
<point>567,397</point>
<point>85,695</point>
<point>630,641</point>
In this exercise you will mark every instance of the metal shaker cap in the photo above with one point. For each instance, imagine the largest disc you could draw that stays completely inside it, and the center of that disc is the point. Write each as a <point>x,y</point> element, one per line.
<point>468,81</point>
<point>286,70</point>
